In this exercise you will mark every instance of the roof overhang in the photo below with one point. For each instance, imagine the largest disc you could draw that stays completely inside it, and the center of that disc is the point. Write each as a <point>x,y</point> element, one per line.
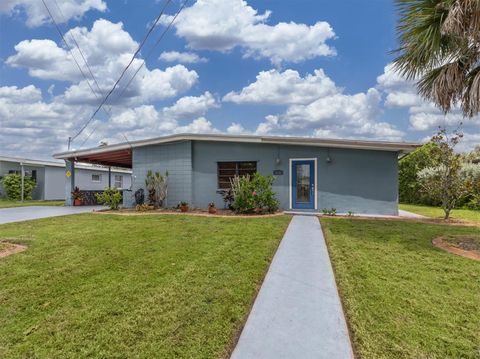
<point>120,155</point>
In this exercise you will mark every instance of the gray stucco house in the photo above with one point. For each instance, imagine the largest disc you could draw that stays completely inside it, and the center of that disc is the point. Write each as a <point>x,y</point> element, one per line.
<point>310,173</point>
<point>50,176</point>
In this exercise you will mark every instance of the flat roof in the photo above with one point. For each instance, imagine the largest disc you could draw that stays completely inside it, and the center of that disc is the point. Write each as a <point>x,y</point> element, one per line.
<point>43,163</point>
<point>120,154</point>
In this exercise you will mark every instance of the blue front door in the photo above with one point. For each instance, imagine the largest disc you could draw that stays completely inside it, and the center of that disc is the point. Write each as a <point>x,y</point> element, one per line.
<point>303,184</point>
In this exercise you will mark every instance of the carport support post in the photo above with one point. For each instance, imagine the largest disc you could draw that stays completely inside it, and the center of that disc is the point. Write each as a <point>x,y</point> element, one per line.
<point>69,181</point>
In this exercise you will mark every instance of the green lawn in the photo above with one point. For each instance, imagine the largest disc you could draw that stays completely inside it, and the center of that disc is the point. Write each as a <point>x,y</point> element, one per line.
<point>403,297</point>
<point>437,212</point>
<point>108,286</point>
<point>5,203</point>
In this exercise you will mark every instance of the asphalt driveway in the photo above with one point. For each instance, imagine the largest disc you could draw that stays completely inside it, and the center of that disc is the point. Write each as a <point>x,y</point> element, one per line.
<point>18,214</point>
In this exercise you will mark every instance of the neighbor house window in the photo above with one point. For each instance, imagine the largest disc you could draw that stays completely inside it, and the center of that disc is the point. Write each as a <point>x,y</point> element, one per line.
<point>228,170</point>
<point>118,181</point>
<point>96,178</point>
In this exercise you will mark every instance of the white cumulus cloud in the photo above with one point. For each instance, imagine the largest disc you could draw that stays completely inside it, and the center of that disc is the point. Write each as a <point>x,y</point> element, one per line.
<point>181,57</point>
<point>225,24</point>
<point>108,49</point>
<point>287,87</point>
<point>36,13</point>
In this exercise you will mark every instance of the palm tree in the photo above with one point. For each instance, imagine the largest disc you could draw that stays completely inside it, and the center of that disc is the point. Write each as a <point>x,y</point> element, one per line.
<point>440,48</point>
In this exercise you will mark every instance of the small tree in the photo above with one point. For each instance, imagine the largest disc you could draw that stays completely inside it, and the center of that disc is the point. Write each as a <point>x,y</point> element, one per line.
<point>110,197</point>
<point>157,186</point>
<point>409,188</point>
<point>13,186</point>
<point>444,182</point>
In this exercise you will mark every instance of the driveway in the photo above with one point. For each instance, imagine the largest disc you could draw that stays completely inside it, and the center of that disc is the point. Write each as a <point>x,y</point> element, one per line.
<point>297,313</point>
<point>18,214</point>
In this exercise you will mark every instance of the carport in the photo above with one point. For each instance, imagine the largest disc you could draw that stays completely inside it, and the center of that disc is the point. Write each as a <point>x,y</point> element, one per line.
<point>112,156</point>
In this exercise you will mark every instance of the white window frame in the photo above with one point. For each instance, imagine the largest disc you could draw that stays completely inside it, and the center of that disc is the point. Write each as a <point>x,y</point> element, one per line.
<point>115,181</point>
<point>290,194</point>
<point>99,177</point>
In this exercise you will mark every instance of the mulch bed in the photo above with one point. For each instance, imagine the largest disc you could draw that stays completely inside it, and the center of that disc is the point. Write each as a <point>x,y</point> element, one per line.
<point>464,246</point>
<point>222,213</point>
<point>10,248</point>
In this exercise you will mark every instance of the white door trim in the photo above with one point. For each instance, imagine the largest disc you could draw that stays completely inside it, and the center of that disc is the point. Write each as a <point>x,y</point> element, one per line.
<point>290,160</point>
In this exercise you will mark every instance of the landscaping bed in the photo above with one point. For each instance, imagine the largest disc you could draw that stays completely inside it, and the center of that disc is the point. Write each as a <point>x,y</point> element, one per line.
<point>467,246</point>
<point>191,211</point>
<point>403,297</point>
<point>7,249</point>
<point>134,286</point>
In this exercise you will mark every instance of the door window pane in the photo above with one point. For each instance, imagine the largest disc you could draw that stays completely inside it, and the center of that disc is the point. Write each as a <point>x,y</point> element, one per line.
<point>303,183</point>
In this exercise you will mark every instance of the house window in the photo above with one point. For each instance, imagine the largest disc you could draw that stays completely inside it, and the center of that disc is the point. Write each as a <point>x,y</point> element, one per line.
<point>228,170</point>
<point>13,172</point>
<point>96,178</point>
<point>118,181</point>
<point>34,175</point>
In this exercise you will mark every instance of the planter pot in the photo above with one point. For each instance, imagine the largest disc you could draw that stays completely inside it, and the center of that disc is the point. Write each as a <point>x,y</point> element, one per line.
<point>212,210</point>
<point>184,208</point>
<point>77,202</point>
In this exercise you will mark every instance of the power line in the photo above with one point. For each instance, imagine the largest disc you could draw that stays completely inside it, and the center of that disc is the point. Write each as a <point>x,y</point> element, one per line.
<point>122,74</point>
<point>151,50</point>
<point>143,64</point>
<point>68,48</point>
<point>79,49</point>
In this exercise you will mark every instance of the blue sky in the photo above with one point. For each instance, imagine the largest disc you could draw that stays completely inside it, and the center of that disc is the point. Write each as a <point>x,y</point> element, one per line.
<point>290,67</point>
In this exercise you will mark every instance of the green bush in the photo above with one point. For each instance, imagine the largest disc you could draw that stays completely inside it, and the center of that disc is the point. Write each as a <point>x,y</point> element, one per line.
<point>13,186</point>
<point>254,194</point>
<point>409,187</point>
<point>110,197</point>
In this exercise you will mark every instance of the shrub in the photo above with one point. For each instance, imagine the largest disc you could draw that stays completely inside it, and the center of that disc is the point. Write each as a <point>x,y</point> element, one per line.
<point>13,186</point>
<point>157,186</point>
<point>470,173</point>
<point>254,194</point>
<point>409,188</point>
<point>110,197</point>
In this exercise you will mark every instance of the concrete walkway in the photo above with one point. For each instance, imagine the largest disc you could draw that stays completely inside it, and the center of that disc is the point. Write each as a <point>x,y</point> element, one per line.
<point>407,214</point>
<point>297,313</point>
<point>18,214</point>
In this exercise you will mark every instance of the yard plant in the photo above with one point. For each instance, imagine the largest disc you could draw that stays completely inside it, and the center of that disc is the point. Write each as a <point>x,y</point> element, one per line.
<point>12,183</point>
<point>157,186</point>
<point>254,194</point>
<point>111,286</point>
<point>110,197</point>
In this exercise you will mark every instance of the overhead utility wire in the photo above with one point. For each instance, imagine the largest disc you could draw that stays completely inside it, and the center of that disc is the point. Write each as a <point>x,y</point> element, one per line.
<point>162,35</point>
<point>79,49</point>
<point>68,47</point>
<point>121,75</point>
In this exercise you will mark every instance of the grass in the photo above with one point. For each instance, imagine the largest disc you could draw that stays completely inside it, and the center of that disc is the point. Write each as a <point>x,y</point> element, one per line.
<point>437,212</point>
<point>403,297</point>
<point>122,287</point>
<point>5,203</point>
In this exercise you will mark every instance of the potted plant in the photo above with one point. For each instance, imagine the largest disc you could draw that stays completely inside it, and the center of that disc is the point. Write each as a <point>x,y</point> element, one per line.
<point>77,196</point>
<point>211,208</point>
<point>184,206</point>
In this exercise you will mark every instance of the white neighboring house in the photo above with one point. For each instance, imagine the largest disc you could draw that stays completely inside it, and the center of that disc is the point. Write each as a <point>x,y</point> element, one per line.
<point>50,176</point>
